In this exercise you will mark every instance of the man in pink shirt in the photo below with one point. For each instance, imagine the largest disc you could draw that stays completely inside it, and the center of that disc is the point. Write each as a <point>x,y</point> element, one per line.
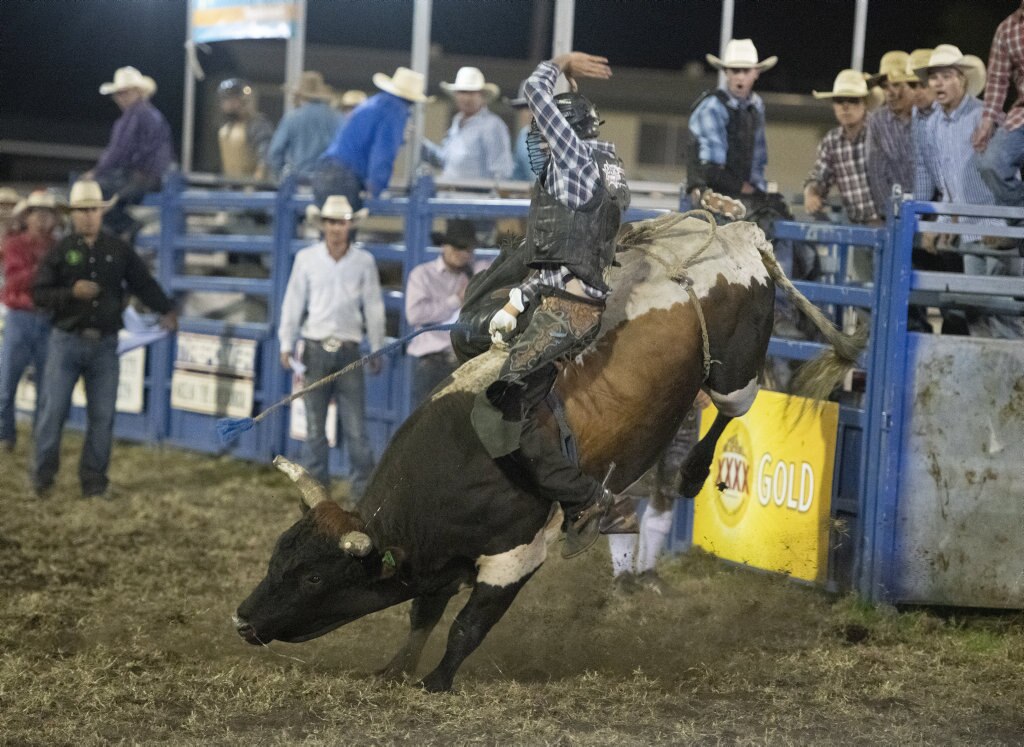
<point>433,295</point>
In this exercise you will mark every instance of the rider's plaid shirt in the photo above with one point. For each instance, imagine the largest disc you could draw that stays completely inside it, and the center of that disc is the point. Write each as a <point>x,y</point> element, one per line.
<point>1006,64</point>
<point>571,174</point>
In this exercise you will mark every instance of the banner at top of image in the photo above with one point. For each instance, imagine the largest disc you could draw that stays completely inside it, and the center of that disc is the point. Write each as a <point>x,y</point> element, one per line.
<point>222,20</point>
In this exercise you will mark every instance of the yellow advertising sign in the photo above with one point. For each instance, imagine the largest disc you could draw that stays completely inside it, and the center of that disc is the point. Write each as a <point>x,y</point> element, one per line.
<point>766,502</point>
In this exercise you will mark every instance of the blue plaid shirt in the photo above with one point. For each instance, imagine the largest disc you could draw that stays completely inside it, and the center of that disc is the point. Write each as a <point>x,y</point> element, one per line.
<point>709,123</point>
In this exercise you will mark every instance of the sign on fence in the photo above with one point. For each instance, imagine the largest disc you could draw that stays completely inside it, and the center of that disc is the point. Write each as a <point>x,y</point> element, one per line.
<point>232,356</point>
<point>210,394</point>
<point>766,503</point>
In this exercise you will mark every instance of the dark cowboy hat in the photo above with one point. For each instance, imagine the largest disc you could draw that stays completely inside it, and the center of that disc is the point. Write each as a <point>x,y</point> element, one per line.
<point>459,233</point>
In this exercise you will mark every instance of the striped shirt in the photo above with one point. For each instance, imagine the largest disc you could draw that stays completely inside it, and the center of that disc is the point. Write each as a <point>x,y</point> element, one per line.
<point>841,163</point>
<point>918,122</point>
<point>890,155</point>
<point>709,123</point>
<point>1006,64</point>
<point>477,147</point>
<point>947,164</point>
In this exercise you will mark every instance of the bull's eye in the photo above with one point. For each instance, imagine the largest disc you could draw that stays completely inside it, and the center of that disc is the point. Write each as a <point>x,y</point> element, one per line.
<point>313,579</point>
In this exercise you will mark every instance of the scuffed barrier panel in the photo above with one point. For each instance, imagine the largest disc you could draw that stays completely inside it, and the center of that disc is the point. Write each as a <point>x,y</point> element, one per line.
<point>960,530</point>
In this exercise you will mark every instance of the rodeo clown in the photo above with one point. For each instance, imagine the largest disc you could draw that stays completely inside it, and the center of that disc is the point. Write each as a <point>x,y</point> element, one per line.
<point>576,207</point>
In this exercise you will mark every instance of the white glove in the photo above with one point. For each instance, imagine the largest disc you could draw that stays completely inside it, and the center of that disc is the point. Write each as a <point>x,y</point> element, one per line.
<point>502,323</point>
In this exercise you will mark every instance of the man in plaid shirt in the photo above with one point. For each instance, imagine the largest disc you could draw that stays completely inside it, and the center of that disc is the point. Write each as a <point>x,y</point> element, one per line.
<point>575,210</point>
<point>1001,151</point>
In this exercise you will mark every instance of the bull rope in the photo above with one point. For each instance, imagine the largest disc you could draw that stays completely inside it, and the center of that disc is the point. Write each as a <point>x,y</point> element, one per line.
<point>677,270</point>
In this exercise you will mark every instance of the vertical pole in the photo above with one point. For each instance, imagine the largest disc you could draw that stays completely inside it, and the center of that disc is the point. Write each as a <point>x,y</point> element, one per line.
<point>421,15</point>
<point>860,24</point>
<point>540,26</point>
<point>189,107</point>
<point>295,52</point>
<point>725,34</point>
<point>561,40</point>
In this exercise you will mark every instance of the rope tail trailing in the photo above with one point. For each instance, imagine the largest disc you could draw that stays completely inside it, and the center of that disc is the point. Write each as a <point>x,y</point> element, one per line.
<point>228,429</point>
<point>817,378</point>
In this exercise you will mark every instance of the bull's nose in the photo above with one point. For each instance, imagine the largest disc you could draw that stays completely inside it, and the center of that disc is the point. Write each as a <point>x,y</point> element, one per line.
<point>243,627</point>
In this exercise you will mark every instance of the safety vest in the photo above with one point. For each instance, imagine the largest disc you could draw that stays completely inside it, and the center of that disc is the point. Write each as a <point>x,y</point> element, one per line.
<point>583,240</point>
<point>740,135</point>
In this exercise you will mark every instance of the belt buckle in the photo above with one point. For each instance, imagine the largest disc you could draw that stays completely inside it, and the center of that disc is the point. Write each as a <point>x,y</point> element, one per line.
<point>331,344</point>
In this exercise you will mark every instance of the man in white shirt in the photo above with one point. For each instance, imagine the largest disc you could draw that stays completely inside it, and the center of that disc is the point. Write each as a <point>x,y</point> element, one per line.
<point>333,297</point>
<point>433,295</point>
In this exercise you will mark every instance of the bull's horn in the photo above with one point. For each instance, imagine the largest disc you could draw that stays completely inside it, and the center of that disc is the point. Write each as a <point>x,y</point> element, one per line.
<point>356,543</point>
<point>312,491</point>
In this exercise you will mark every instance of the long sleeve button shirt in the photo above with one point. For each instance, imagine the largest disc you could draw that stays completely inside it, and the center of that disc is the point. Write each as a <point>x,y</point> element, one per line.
<point>476,147</point>
<point>21,257</point>
<point>947,165</point>
<point>841,163</point>
<point>140,141</point>
<point>433,295</point>
<point>709,124</point>
<point>301,137</point>
<point>328,298</point>
<point>371,139</point>
<point>1006,65</point>
<point>890,155</point>
<point>109,262</point>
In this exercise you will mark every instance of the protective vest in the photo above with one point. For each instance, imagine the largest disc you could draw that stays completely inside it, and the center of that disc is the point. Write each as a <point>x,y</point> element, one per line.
<point>740,135</point>
<point>236,155</point>
<point>583,240</point>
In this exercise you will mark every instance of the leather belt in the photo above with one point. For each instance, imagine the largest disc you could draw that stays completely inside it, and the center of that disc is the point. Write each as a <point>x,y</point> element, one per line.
<point>333,344</point>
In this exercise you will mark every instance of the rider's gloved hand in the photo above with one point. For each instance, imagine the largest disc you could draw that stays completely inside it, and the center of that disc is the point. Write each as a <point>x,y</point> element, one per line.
<point>503,323</point>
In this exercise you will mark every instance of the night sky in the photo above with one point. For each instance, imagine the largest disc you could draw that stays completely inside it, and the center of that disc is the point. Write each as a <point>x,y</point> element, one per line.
<point>55,53</point>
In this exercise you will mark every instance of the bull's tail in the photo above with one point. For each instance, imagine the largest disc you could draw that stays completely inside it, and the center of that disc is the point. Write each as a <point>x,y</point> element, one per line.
<point>817,378</point>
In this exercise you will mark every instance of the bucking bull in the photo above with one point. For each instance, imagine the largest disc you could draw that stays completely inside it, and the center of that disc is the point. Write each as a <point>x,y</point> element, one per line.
<point>690,308</point>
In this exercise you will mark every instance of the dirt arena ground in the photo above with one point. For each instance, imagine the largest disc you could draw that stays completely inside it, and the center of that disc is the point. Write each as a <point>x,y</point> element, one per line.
<point>114,628</point>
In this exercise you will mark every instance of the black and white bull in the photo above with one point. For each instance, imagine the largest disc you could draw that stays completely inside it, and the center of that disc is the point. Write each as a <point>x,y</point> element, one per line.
<point>440,515</point>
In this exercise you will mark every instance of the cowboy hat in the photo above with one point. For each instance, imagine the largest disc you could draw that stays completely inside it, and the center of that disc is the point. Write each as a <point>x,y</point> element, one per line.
<point>40,198</point>
<point>849,84</point>
<point>741,53</point>
<point>519,101</point>
<point>405,84</point>
<point>458,233</point>
<point>311,86</point>
<point>918,58</point>
<point>129,77</point>
<point>8,196</point>
<point>351,99</point>
<point>337,207</point>
<point>947,55</point>
<point>892,68</point>
<point>85,194</point>
<point>470,79</point>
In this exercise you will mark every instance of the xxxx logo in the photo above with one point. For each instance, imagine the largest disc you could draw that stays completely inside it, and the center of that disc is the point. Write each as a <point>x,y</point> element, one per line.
<point>731,476</point>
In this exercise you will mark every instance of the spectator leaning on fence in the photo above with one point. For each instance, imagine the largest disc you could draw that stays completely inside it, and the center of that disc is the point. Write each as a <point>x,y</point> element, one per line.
<point>333,297</point>
<point>362,155</point>
<point>477,145</point>
<point>922,95</point>
<point>82,282</point>
<point>305,131</point>
<point>947,167</point>
<point>890,153</point>
<point>841,162</point>
<point>433,295</point>
<point>999,137</point>
<point>139,151</point>
<point>26,330</point>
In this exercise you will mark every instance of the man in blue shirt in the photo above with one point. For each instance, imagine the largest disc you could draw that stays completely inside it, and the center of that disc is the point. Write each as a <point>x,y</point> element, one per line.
<point>362,154</point>
<point>306,130</point>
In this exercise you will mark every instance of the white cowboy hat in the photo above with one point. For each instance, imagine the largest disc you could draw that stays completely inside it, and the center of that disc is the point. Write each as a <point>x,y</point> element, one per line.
<point>352,98</point>
<point>337,207</point>
<point>39,198</point>
<point>947,55</point>
<point>892,68</point>
<point>741,53</point>
<point>129,77</point>
<point>470,79</point>
<point>848,84</point>
<point>9,196</point>
<point>311,86</point>
<point>405,84</point>
<point>86,193</point>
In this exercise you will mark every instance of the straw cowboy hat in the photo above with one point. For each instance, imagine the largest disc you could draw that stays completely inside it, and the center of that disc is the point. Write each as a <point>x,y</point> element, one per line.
<point>741,53</point>
<point>849,84</point>
<point>918,58</point>
<point>41,199</point>
<point>405,84</point>
<point>311,86</point>
<point>470,79</point>
<point>85,194</point>
<point>129,77</point>
<point>892,68</point>
<point>947,55</point>
<point>351,99</point>
<point>9,196</point>
<point>337,207</point>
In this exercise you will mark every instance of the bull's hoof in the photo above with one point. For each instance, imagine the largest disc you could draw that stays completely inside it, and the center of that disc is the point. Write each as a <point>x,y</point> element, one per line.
<point>436,683</point>
<point>393,673</point>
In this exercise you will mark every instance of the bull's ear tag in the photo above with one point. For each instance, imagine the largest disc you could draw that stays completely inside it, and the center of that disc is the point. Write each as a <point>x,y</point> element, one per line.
<point>389,559</point>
